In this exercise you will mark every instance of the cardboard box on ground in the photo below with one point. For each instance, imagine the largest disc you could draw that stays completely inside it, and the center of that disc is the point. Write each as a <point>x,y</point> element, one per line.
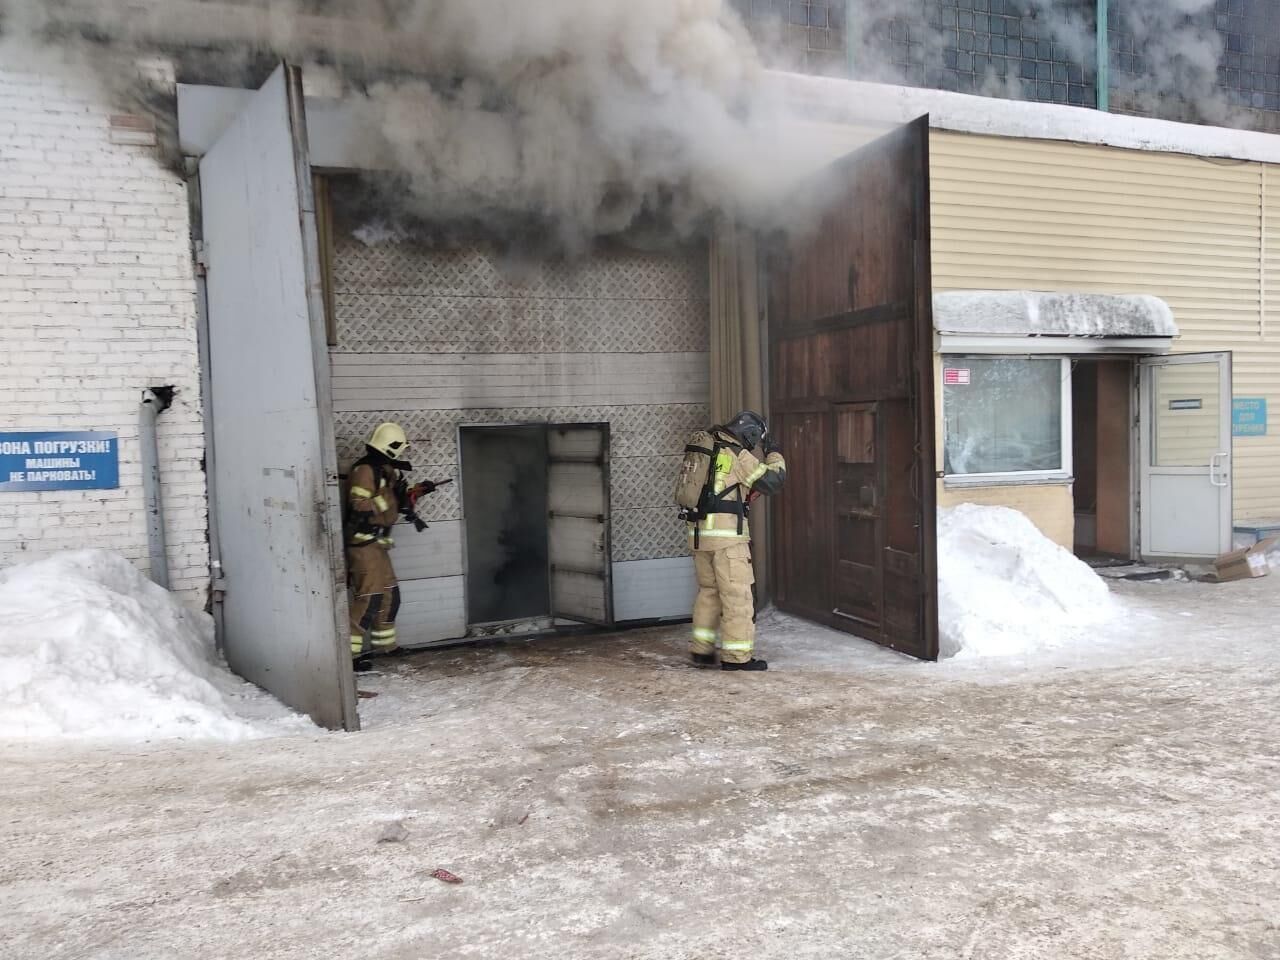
<point>1247,563</point>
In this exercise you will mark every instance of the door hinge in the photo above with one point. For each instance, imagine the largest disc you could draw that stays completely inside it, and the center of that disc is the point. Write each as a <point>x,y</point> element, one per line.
<point>202,258</point>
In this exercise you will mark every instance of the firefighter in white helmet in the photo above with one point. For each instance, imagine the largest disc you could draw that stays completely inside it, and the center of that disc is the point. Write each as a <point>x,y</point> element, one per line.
<point>376,496</point>
<point>720,473</point>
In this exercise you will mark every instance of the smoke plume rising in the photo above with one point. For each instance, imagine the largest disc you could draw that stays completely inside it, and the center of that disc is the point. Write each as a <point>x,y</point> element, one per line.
<point>585,116</point>
<point>1176,54</point>
<point>1165,53</point>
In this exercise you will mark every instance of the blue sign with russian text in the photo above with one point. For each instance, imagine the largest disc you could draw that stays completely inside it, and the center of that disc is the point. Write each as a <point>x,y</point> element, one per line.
<point>1249,417</point>
<point>30,462</point>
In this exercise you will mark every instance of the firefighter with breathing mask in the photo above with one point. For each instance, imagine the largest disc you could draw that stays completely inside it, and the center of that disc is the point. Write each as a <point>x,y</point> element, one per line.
<point>720,475</point>
<point>377,496</point>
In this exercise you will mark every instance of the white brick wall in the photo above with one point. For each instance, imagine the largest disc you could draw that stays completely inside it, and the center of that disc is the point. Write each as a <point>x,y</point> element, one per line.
<point>97,302</point>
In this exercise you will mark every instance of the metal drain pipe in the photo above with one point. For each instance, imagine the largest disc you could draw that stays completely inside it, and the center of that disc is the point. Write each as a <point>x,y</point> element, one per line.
<point>155,400</point>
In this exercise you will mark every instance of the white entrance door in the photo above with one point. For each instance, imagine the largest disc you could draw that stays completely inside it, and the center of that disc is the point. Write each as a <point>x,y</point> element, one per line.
<point>1185,456</point>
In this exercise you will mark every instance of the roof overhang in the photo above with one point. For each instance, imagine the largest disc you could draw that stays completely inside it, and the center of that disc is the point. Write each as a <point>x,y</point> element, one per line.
<point>1025,321</point>
<point>1053,346</point>
<point>854,112</point>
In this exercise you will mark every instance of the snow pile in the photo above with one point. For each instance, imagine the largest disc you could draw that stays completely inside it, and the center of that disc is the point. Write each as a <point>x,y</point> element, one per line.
<point>1004,588</point>
<point>90,648</point>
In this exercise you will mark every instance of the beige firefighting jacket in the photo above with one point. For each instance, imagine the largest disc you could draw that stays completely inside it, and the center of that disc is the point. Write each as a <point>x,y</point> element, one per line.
<point>737,473</point>
<point>373,503</point>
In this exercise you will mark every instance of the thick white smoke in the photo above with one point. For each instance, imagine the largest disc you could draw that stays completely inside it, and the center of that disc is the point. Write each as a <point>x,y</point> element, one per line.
<point>588,113</point>
<point>1177,57</point>
<point>881,27</point>
<point>584,114</point>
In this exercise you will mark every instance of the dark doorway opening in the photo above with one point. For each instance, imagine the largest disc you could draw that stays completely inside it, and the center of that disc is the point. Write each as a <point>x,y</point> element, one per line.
<point>1101,438</point>
<point>537,525</point>
<point>504,490</point>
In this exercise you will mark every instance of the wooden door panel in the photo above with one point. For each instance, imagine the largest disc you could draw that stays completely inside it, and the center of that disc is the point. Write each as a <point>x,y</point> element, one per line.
<point>851,323</point>
<point>803,564</point>
<point>860,254</point>
<point>859,498</point>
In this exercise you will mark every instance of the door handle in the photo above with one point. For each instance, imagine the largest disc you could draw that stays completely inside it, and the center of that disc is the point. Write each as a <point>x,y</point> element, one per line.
<point>1216,463</point>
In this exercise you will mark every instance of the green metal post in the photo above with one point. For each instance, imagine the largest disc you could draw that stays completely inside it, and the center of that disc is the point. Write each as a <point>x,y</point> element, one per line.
<point>1103,79</point>
<point>850,39</point>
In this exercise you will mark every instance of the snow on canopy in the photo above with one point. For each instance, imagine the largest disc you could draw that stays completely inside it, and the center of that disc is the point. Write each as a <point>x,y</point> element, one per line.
<point>92,649</point>
<point>883,106</point>
<point>1027,313</point>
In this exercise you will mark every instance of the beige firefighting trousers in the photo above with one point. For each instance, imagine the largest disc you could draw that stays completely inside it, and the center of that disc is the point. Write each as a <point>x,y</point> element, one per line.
<point>375,598</point>
<point>724,607</point>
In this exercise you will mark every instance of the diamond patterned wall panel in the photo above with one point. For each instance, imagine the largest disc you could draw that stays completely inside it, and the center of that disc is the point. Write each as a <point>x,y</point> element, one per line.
<point>636,431</point>
<point>456,324</point>
<point>410,297</point>
<point>656,431</point>
<point>446,502</point>
<point>642,481</point>
<point>646,445</point>
<point>648,535</point>
<point>408,267</point>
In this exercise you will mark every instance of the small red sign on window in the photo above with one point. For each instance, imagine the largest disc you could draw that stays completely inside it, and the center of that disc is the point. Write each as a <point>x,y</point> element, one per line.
<point>956,376</point>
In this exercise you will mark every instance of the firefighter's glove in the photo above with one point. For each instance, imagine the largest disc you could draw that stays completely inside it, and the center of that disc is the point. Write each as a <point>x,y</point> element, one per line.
<point>771,445</point>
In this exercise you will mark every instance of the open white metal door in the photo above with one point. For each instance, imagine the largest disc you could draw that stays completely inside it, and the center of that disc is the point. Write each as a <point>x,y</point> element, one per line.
<point>278,508</point>
<point>579,523</point>
<point>1185,456</point>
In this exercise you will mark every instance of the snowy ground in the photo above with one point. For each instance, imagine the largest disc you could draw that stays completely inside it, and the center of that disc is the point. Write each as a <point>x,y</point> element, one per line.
<point>1119,797</point>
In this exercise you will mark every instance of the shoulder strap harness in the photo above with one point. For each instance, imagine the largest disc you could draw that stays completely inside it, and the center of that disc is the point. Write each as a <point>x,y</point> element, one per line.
<point>711,501</point>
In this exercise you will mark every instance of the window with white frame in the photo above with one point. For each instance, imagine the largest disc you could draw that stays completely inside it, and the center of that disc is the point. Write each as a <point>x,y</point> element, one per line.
<point>1006,418</point>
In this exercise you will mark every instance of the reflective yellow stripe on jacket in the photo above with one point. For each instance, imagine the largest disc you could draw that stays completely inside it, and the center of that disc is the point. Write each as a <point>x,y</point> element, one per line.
<point>373,507</point>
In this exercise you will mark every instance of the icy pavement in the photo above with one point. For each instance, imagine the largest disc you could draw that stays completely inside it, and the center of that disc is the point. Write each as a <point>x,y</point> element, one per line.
<point>1117,797</point>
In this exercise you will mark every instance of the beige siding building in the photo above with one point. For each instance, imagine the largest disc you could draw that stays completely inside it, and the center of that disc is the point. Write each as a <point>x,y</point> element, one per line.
<point>1198,232</point>
<point>1048,200</point>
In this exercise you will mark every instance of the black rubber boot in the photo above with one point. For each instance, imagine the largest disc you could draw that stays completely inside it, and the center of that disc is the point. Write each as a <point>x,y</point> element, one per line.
<point>753,665</point>
<point>362,664</point>
<point>703,659</point>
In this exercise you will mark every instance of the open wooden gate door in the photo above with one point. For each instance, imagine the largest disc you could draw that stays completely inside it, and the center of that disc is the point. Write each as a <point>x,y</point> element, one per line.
<point>851,394</point>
